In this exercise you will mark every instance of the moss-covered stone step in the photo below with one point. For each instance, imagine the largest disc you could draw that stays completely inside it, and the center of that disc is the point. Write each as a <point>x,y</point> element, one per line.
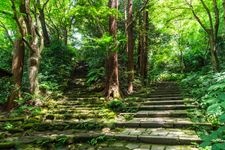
<point>142,99</point>
<point>164,95</point>
<point>162,122</point>
<point>79,115</point>
<point>159,95</point>
<point>120,145</point>
<point>84,98</point>
<point>165,113</point>
<point>80,102</point>
<point>158,136</point>
<point>167,107</point>
<point>68,136</point>
<point>126,145</point>
<point>169,88</point>
<point>168,102</point>
<point>78,107</point>
<point>165,91</point>
<point>12,119</point>
<point>73,111</point>
<point>71,116</point>
<point>73,123</point>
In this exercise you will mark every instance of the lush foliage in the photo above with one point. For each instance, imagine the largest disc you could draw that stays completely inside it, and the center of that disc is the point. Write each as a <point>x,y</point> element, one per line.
<point>209,90</point>
<point>55,70</point>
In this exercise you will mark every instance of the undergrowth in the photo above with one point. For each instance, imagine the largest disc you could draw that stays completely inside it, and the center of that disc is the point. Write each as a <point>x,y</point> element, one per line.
<point>208,89</point>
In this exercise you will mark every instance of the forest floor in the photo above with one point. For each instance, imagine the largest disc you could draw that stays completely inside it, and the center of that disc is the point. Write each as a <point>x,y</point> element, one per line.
<point>156,118</point>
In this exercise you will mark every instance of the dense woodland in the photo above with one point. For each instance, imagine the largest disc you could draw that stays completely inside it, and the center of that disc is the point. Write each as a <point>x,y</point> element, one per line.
<point>119,46</point>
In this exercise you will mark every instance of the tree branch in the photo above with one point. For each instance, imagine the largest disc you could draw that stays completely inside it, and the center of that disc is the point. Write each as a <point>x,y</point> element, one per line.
<point>17,18</point>
<point>209,14</point>
<point>7,32</point>
<point>217,18</point>
<point>197,18</point>
<point>45,4</point>
<point>27,43</point>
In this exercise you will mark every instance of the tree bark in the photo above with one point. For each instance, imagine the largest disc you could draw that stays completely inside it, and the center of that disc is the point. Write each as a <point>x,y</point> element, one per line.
<point>35,45</point>
<point>18,58</point>
<point>214,56</point>
<point>44,27</point>
<point>65,35</point>
<point>140,44</point>
<point>17,70</point>
<point>112,75</point>
<point>143,45</point>
<point>145,61</point>
<point>130,46</point>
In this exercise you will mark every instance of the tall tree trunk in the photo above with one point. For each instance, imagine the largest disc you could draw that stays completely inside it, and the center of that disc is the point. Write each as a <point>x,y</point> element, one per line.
<point>65,35</point>
<point>214,56</point>
<point>130,46</point>
<point>144,53</point>
<point>44,27</point>
<point>35,44</point>
<point>17,70</point>
<point>140,45</point>
<point>182,65</point>
<point>18,57</point>
<point>112,79</point>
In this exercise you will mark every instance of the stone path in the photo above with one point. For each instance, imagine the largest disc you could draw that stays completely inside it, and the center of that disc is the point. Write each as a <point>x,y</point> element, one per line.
<point>162,119</point>
<point>81,118</point>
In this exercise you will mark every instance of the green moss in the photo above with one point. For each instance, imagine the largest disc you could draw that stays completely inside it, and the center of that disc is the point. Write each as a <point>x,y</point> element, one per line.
<point>7,145</point>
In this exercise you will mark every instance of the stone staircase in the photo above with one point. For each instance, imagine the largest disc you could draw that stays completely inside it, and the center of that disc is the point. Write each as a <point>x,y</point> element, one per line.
<point>162,119</point>
<point>81,117</point>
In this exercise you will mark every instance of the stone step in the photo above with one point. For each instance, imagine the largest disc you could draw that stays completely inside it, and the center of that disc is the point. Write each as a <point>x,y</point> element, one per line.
<point>162,122</point>
<point>166,87</point>
<point>164,98</point>
<point>170,102</point>
<point>166,107</point>
<point>160,96</point>
<point>70,111</point>
<point>164,95</point>
<point>80,102</point>
<point>63,124</point>
<point>132,145</point>
<point>165,92</point>
<point>141,99</point>
<point>165,113</point>
<point>158,136</point>
<point>78,107</point>
<point>71,136</point>
<point>93,98</point>
<point>72,116</point>
<point>153,114</point>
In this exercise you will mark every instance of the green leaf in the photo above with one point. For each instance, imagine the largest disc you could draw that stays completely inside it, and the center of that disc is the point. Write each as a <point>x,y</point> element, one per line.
<point>222,96</point>
<point>222,105</point>
<point>206,143</point>
<point>215,108</point>
<point>222,118</point>
<point>219,146</point>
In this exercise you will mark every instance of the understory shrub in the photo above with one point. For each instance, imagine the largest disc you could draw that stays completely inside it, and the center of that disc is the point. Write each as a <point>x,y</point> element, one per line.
<point>209,90</point>
<point>56,66</point>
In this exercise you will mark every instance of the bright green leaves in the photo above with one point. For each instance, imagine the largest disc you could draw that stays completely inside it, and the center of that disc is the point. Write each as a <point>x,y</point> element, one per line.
<point>209,88</point>
<point>216,87</point>
<point>215,139</point>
